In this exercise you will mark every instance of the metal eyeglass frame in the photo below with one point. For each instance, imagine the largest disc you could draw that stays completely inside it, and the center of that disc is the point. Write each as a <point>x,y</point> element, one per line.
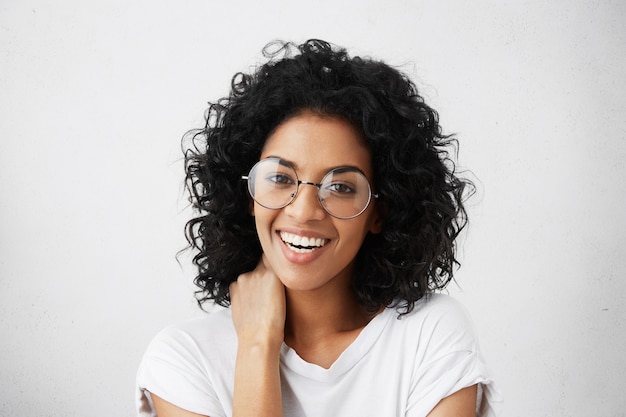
<point>315,184</point>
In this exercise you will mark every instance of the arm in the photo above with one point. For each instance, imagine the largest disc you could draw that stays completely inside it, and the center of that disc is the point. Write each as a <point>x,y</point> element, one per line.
<point>460,404</point>
<point>258,310</point>
<point>257,382</point>
<point>166,409</point>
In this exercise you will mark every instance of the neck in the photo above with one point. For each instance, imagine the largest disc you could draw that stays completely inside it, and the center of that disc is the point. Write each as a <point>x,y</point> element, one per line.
<point>316,315</point>
<point>321,325</point>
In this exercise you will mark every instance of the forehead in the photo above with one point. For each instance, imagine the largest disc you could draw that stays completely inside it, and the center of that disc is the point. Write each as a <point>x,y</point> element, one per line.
<point>316,144</point>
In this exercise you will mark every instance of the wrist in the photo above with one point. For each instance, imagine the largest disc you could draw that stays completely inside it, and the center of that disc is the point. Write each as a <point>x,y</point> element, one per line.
<point>260,344</point>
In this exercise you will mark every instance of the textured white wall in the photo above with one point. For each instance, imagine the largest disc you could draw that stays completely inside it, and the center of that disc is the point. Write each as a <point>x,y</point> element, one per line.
<point>94,97</point>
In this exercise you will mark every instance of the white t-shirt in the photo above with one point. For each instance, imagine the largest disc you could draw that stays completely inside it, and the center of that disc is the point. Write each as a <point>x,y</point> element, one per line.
<point>395,367</point>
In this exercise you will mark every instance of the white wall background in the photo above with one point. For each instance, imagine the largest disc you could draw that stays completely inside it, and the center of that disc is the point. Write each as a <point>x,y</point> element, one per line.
<point>94,97</point>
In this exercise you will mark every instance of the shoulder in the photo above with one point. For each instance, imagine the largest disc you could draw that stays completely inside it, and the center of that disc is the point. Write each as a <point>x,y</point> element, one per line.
<point>435,308</point>
<point>205,327</point>
<point>194,341</point>
<point>190,364</point>
<point>437,321</point>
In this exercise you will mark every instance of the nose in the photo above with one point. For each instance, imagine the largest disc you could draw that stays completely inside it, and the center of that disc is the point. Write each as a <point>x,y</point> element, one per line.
<point>306,206</point>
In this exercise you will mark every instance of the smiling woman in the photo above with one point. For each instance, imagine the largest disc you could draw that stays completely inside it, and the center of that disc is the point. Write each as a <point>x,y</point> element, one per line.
<point>315,146</point>
<point>328,259</point>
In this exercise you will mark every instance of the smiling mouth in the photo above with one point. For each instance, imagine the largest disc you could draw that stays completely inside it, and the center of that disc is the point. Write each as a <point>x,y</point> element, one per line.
<point>302,244</point>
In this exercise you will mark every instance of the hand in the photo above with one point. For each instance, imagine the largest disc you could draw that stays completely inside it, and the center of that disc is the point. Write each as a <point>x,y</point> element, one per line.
<point>258,307</point>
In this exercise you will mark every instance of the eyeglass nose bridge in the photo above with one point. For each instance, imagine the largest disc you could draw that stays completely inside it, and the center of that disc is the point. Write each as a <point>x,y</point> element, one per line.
<point>315,184</point>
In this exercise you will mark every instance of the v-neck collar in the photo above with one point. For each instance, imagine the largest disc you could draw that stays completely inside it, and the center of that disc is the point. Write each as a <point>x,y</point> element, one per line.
<point>348,358</point>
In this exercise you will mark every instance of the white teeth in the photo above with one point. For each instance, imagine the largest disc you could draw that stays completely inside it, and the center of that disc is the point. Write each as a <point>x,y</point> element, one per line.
<point>302,244</point>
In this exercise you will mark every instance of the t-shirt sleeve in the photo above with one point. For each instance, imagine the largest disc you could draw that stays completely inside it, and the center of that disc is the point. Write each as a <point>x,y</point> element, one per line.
<point>173,369</point>
<point>450,361</point>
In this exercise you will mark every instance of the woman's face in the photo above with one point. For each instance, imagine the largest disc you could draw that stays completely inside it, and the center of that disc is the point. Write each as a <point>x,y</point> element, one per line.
<point>314,145</point>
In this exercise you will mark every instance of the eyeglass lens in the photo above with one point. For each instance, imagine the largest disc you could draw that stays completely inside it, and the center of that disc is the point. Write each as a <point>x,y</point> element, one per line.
<point>343,192</point>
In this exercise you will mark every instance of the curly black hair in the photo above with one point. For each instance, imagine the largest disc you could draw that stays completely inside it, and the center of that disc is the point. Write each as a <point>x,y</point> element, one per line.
<point>420,192</point>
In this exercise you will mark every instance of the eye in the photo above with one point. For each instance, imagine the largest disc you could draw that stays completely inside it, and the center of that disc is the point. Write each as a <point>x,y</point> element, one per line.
<point>280,179</point>
<point>340,188</point>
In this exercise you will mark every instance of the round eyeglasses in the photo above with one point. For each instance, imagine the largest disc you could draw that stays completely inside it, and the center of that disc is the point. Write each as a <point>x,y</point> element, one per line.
<point>344,192</point>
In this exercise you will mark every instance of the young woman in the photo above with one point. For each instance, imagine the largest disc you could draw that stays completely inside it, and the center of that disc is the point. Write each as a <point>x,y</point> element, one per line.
<point>329,207</point>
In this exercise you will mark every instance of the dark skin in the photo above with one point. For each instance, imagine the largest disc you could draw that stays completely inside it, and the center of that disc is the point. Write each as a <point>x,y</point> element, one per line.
<point>304,298</point>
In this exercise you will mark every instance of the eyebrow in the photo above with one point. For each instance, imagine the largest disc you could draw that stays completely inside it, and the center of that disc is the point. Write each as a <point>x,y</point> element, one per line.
<point>340,168</point>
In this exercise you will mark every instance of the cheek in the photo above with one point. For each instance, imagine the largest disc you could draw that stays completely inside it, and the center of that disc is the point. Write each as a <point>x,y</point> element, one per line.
<point>263,222</point>
<point>355,235</point>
